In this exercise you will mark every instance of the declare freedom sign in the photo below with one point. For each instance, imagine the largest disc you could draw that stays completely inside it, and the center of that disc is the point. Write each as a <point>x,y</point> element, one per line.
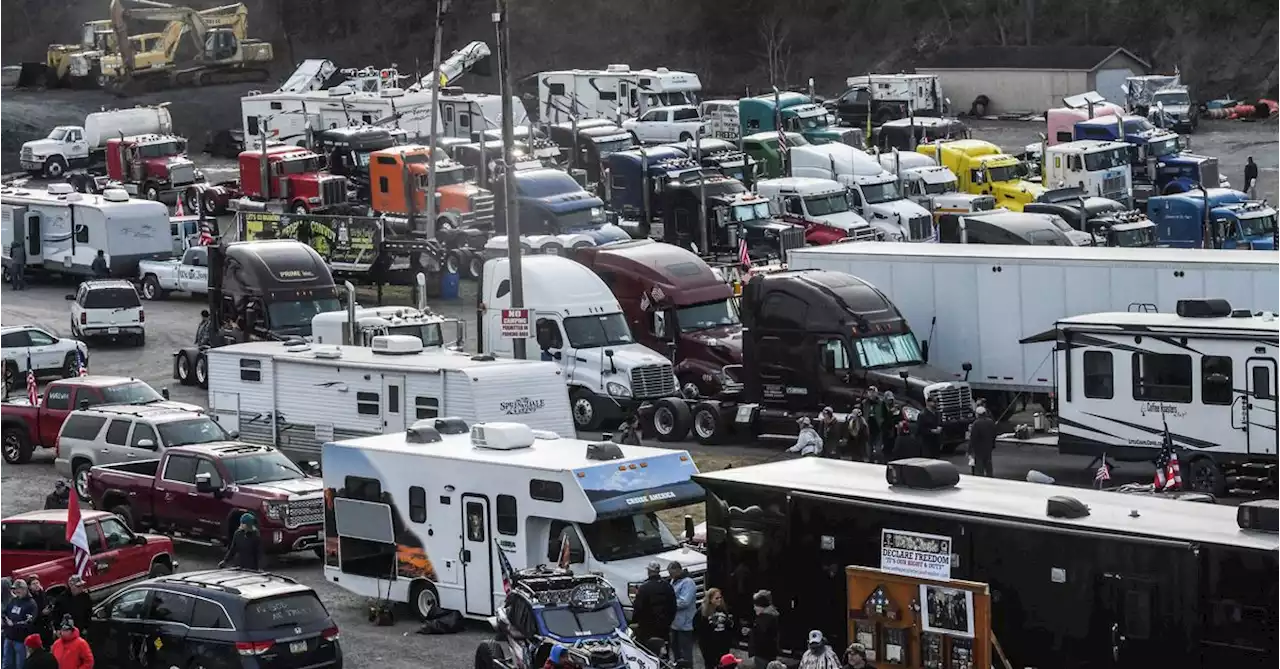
<point>914,554</point>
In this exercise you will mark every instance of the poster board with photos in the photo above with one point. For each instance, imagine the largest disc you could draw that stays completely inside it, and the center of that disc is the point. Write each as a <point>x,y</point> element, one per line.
<point>907,622</point>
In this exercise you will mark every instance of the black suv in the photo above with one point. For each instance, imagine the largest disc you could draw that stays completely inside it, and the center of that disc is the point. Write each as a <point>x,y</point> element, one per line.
<point>227,618</point>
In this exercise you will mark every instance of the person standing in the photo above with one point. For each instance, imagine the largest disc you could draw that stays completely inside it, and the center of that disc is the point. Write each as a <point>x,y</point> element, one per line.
<point>855,657</point>
<point>808,442</point>
<point>74,602</point>
<point>1250,177</point>
<point>871,409</point>
<point>686,608</point>
<point>37,656</point>
<point>18,265</point>
<point>714,628</point>
<point>890,425</point>
<point>654,609</point>
<point>42,625</point>
<point>762,643</point>
<point>245,549</point>
<point>71,650</point>
<point>204,334</point>
<point>858,436</point>
<point>99,267</point>
<point>819,655</point>
<point>832,433</point>
<point>929,429</point>
<point>629,435</point>
<point>19,618</point>
<point>982,442</point>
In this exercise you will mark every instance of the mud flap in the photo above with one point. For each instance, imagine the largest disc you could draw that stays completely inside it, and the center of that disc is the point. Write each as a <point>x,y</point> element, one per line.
<point>33,75</point>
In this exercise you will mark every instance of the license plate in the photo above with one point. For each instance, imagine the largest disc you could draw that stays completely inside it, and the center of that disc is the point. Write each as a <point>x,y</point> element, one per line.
<point>298,647</point>
<point>113,330</point>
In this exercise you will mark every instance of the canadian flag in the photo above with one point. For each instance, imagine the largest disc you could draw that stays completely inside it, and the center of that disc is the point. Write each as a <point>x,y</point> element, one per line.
<point>76,535</point>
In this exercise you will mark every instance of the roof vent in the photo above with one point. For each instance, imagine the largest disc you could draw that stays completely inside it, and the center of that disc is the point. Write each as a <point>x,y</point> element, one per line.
<point>296,345</point>
<point>396,345</point>
<point>483,357</point>
<point>60,189</point>
<point>923,473</point>
<point>545,435</point>
<point>1259,515</point>
<point>391,92</point>
<point>1204,307</point>
<point>115,195</point>
<point>327,352</point>
<point>618,67</point>
<point>501,436</point>
<point>1061,506</point>
<point>604,450</point>
<point>422,432</point>
<point>451,425</point>
<point>339,91</point>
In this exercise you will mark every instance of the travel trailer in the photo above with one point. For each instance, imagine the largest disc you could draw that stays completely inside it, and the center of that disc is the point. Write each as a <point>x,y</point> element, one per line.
<point>614,93</point>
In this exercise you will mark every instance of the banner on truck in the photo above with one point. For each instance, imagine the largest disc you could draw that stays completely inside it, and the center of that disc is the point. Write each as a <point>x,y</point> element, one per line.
<point>917,555</point>
<point>347,243</point>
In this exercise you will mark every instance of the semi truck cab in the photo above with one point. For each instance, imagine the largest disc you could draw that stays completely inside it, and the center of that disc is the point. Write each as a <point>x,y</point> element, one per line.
<point>799,114</point>
<point>1100,168</point>
<point>820,205</point>
<point>294,179</point>
<point>873,191</point>
<point>550,202</point>
<point>1238,223</point>
<point>395,171</point>
<point>764,147</point>
<point>1159,159</point>
<point>983,169</point>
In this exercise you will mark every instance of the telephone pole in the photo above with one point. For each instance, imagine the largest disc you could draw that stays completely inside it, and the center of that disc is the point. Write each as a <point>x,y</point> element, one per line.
<point>441,8</point>
<point>508,175</point>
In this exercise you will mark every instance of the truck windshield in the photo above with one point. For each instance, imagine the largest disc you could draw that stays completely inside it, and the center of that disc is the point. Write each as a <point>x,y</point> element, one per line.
<point>578,220</point>
<point>200,430</point>
<point>134,392</point>
<point>57,134</point>
<point>750,212</point>
<point>570,623</point>
<point>1003,173</point>
<point>597,331</point>
<point>707,315</point>
<point>1136,237</point>
<point>293,314</point>
<point>262,468</point>
<point>888,350</point>
<point>940,189</point>
<point>628,537</point>
<point>612,146</point>
<point>822,205</point>
<point>878,193</point>
<point>1171,98</point>
<point>429,333</point>
<point>162,149</point>
<point>815,122</point>
<point>361,159</point>
<point>1258,226</point>
<point>1163,147</point>
<point>1105,160</point>
<point>449,177</point>
<point>299,165</point>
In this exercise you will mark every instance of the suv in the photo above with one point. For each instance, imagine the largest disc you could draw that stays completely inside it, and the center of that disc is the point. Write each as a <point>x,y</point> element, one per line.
<point>218,618</point>
<point>108,308</point>
<point>29,347</point>
<point>108,434</point>
<point>35,544</point>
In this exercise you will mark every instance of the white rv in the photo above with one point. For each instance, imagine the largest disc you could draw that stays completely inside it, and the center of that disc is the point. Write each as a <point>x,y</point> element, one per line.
<point>63,230</point>
<point>428,516</point>
<point>874,190</point>
<point>616,92</point>
<point>575,320</point>
<point>296,396</point>
<point>982,300</point>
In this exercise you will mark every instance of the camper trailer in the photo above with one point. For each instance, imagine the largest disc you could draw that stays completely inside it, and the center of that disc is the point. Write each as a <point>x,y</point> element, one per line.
<point>436,515</point>
<point>615,93</point>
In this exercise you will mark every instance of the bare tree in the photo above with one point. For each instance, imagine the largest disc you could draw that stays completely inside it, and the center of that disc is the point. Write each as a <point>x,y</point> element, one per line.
<point>774,32</point>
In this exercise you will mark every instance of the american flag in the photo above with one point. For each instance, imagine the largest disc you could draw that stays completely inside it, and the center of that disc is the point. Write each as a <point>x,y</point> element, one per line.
<point>1168,473</point>
<point>508,574</point>
<point>744,258</point>
<point>1103,473</point>
<point>33,390</point>
<point>76,535</point>
<point>206,235</point>
<point>82,365</point>
<point>179,211</point>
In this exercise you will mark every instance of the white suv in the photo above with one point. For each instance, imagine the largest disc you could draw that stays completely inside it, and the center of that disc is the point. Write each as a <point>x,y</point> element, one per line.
<point>45,353</point>
<point>108,308</point>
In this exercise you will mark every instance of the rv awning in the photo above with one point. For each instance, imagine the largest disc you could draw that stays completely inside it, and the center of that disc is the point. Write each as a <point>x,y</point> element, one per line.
<point>653,499</point>
<point>1046,336</point>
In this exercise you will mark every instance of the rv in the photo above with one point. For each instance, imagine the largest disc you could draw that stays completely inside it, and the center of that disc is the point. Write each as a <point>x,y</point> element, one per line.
<point>296,396</point>
<point>63,230</point>
<point>435,516</point>
<point>1077,577</point>
<point>615,93</point>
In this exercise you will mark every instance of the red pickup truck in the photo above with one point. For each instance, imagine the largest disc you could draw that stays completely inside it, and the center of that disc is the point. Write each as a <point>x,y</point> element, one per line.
<point>197,493</point>
<point>26,427</point>
<point>35,544</point>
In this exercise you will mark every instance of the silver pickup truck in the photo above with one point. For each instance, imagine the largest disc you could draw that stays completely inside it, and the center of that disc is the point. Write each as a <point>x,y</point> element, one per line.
<point>189,275</point>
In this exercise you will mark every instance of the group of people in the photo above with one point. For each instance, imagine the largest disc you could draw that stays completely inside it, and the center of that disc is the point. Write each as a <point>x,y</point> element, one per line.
<point>42,632</point>
<point>18,265</point>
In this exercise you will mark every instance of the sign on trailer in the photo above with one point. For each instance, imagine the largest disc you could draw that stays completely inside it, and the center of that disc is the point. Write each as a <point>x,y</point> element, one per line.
<point>515,324</point>
<point>917,555</point>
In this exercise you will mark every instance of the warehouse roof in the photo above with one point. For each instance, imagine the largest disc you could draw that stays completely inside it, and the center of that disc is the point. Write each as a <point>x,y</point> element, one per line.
<point>1082,58</point>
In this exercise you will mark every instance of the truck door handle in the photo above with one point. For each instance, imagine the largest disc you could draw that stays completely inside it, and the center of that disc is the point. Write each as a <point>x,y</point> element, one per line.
<point>106,450</point>
<point>466,556</point>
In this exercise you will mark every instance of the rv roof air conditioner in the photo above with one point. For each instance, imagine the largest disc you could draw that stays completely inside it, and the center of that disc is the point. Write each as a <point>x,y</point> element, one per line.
<point>1204,307</point>
<point>327,352</point>
<point>450,425</point>
<point>604,450</point>
<point>61,189</point>
<point>1061,506</point>
<point>545,435</point>
<point>115,195</point>
<point>422,432</point>
<point>501,436</point>
<point>1261,515</point>
<point>339,91</point>
<point>396,345</point>
<point>922,473</point>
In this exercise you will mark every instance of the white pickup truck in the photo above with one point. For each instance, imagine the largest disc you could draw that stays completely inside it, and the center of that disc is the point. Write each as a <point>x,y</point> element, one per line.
<point>665,124</point>
<point>189,275</point>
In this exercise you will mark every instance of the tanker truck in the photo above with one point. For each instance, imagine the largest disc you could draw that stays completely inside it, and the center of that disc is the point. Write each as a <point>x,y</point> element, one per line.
<point>74,146</point>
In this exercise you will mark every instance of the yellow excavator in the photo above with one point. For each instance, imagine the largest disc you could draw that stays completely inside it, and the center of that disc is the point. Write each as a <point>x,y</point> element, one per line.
<point>222,51</point>
<point>79,65</point>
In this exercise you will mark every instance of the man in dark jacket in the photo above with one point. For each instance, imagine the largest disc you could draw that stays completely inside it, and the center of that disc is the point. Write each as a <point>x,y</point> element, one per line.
<point>204,331</point>
<point>37,656</point>
<point>929,429</point>
<point>75,602</point>
<point>654,608</point>
<point>1250,176</point>
<point>99,266</point>
<point>245,550</point>
<point>982,442</point>
<point>762,643</point>
<point>832,433</point>
<point>19,623</point>
<point>18,265</point>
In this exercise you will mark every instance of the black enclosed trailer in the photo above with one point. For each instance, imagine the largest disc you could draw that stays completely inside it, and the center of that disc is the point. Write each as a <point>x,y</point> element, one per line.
<point>1135,582</point>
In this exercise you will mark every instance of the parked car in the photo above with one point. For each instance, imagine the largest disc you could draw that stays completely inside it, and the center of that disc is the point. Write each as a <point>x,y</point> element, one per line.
<point>223,618</point>
<point>665,124</point>
<point>25,428</point>
<point>29,347</point>
<point>200,492</point>
<point>35,544</point>
<point>108,308</point>
<point>108,434</point>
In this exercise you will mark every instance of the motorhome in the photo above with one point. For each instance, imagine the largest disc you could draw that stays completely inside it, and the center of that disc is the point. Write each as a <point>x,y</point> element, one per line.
<point>884,97</point>
<point>63,230</point>
<point>296,396</point>
<point>615,93</point>
<point>435,516</point>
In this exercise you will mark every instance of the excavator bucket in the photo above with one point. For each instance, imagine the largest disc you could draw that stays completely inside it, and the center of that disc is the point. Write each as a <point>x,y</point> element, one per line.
<point>33,75</point>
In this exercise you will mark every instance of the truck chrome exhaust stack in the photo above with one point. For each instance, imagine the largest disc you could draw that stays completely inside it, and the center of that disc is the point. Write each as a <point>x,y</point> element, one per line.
<point>351,313</point>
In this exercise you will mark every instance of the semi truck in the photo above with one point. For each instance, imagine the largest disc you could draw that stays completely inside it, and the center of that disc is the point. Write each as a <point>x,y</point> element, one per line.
<point>1158,158</point>
<point>765,148</point>
<point>983,169</point>
<point>398,178</point>
<point>1231,219</point>
<point>1111,223</point>
<point>798,113</point>
<point>932,186</point>
<point>873,191</point>
<point>820,205</point>
<point>288,178</point>
<point>550,202</point>
<point>1100,168</point>
<point>85,146</point>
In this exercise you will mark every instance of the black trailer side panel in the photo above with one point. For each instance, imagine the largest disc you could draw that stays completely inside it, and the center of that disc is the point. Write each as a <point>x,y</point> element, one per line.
<point>1238,618</point>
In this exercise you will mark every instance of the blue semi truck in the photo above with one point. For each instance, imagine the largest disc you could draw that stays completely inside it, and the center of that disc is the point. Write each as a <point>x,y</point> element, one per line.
<point>1236,222</point>
<point>550,202</point>
<point>1160,165</point>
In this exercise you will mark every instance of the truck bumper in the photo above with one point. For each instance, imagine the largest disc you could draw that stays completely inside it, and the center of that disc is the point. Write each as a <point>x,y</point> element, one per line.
<point>31,165</point>
<point>284,540</point>
<point>112,331</point>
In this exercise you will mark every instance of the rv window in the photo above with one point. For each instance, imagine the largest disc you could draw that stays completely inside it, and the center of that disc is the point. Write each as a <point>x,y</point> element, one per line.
<point>1215,380</point>
<point>546,491</point>
<point>1099,375</point>
<point>417,504</point>
<point>1162,377</point>
<point>558,529</point>
<point>1262,383</point>
<point>393,399</point>
<point>475,521</point>
<point>361,488</point>
<point>250,370</point>
<point>118,432</point>
<point>82,234</point>
<point>555,89</point>
<point>608,95</point>
<point>508,521</point>
<point>277,105</point>
<point>426,407</point>
<point>367,404</point>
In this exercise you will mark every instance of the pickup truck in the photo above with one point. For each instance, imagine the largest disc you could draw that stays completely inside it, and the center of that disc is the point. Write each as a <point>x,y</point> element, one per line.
<point>665,124</point>
<point>189,275</point>
<point>197,494</point>
<point>24,428</point>
<point>35,544</point>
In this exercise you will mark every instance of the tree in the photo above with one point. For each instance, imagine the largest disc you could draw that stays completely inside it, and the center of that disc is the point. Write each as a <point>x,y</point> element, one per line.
<point>774,33</point>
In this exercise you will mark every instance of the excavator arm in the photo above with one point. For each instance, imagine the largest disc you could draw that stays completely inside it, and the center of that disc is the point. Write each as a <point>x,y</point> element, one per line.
<point>123,44</point>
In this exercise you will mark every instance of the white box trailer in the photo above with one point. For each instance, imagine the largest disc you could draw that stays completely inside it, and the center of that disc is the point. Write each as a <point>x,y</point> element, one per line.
<point>981,300</point>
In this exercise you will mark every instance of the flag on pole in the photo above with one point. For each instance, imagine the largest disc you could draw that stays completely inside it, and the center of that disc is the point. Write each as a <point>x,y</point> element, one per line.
<point>1103,474</point>
<point>33,390</point>
<point>1168,473</point>
<point>76,535</point>
<point>564,560</point>
<point>82,365</point>
<point>508,574</point>
<point>744,258</point>
<point>206,236</point>
<point>179,211</point>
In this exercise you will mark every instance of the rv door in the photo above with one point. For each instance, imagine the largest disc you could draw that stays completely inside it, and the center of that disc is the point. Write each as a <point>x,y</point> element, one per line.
<point>1260,406</point>
<point>225,408</point>
<point>1130,622</point>
<point>477,558</point>
<point>393,413</point>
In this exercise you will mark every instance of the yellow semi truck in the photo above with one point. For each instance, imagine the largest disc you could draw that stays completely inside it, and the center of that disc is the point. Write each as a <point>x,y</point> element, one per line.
<point>983,169</point>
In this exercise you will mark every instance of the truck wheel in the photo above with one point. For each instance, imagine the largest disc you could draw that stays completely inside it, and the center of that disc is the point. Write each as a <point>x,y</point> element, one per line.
<point>686,137</point>
<point>586,415</point>
<point>453,262</point>
<point>708,424</point>
<point>202,371</point>
<point>423,599</point>
<point>151,288</point>
<point>150,192</point>
<point>475,266</point>
<point>183,368</point>
<point>10,376</point>
<point>191,199</point>
<point>17,446</point>
<point>126,514</point>
<point>55,167</point>
<point>160,568</point>
<point>489,655</point>
<point>671,419</point>
<point>210,206</point>
<point>80,478</point>
<point>1204,475</point>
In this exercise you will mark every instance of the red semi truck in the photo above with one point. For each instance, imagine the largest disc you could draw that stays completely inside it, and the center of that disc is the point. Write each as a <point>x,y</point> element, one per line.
<point>294,181</point>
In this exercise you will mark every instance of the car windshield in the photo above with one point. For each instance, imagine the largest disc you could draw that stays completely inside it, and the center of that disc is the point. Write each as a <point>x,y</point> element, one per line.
<point>570,623</point>
<point>596,331</point>
<point>1172,98</point>
<point>57,134</point>
<point>262,468</point>
<point>134,392</point>
<point>750,212</point>
<point>293,610</point>
<point>162,149</point>
<point>202,430</point>
<point>1163,147</point>
<point>111,298</point>
<point>1258,225</point>
<point>707,315</point>
<point>1105,160</point>
<point>1136,237</point>
<point>888,350</point>
<point>297,314</point>
<point>821,205</point>
<point>1003,173</point>
<point>628,537</point>
<point>883,192</point>
<point>299,165</point>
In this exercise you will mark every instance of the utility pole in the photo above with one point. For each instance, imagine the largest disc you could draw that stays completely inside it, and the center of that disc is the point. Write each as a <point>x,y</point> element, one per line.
<point>508,175</point>
<point>702,195</point>
<point>435,116</point>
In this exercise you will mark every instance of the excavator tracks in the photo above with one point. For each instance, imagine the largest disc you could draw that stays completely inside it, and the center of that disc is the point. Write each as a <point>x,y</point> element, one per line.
<point>188,78</point>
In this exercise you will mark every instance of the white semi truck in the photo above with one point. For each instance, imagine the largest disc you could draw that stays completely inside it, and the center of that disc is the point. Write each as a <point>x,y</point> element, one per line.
<point>874,190</point>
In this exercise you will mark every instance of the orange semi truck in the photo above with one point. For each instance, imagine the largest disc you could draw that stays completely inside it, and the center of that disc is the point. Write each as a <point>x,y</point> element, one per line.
<point>459,204</point>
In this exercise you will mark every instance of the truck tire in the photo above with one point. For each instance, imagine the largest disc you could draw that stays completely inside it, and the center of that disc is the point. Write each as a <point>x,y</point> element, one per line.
<point>585,409</point>
<point>55,167</point>
<point>475,266</point>
<point>453,262</point>
<point>1204,475</point>
<point>299,208</point>
<point>10,376</point>
<point>709,426</point>
<point>489,655</point>
<point>183,368</point>
<point>423,599</point>
<point>151,289</point>
<point>671,419</point>
<point>150,192</point>
<point>202,371</point>
<point>71,366</point>
<point>160,568</point>
<point>17,446</point>
<point>126,514</point>
<point>686,137</point>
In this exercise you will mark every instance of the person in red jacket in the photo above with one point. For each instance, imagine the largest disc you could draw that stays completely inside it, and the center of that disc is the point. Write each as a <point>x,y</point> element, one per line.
<point>70,650</point>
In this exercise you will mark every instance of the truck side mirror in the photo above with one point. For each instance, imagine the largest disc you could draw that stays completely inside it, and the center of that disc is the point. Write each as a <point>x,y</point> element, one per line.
<point>69,298</point>
<point>967,367</point>
<point>164,392</point>
<point>204,484</point>
<point>924,350</point>
<point>688,527</point>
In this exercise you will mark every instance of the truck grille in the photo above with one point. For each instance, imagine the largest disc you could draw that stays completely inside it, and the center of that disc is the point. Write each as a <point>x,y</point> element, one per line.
<point>482,209</point>
<point>700,580</point>
<point>864,234</point>
<point>333,190</point>
<point>304,512</point>
<point>920,228</point>
<point>26,154</point>
<point>182,174</point>
<point>955,403</point>
<point>652,381</point>
<point>791,238</point>
<point>1113,187</point>
<point>1209,173</point>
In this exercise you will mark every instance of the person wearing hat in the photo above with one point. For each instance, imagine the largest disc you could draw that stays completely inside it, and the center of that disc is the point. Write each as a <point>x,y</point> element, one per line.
<point>809,442</point>
<point>204,331</point>
<point>727,661</point>
<point>762,641</point>
<point>889,426</point>
<point>75,602</point>
<point>60,497</point>
<point>42,624</point>
<point>245,549</point>
<point>37,656</point>
<point>819,655</point>
<point>982,442</point>
<point>71,650</point>
<point>19,623</point>
<point>832,433</point>
<point>858,436</point>
<point>654,609</point>
<point>855,657</point>
<point>686,592</point>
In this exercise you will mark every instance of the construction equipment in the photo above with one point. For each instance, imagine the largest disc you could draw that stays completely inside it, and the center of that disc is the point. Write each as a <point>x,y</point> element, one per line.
<point>79,65</point>
<point>223,53</point>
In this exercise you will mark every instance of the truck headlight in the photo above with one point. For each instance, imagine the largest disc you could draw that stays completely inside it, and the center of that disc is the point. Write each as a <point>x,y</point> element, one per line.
<point>273,510</point>
<point>617,389</point>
